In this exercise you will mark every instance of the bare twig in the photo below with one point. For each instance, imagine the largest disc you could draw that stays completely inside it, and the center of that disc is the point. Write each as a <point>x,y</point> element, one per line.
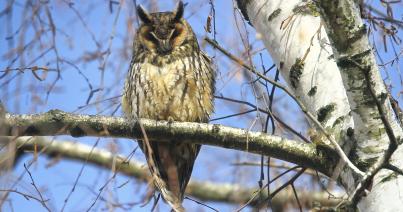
<point>26,196</point>
<point>200,203</point>
<point>285,125</point>
<point>296,197</point>
<point>290,181</point>
<point>276,166</point>
<point>259,191</point>
<point>79,175</point>
<point>42,201</point>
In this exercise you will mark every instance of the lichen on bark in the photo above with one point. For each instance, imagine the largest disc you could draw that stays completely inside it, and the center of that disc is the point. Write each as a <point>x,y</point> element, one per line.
<point>274,14</point>
<point>325,112</point>
<point>296,72</point>
<point>308,8</point>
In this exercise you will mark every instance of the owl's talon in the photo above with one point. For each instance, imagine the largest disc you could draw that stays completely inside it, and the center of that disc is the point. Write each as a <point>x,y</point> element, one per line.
<point>133,124</point>
<point>170,120</point>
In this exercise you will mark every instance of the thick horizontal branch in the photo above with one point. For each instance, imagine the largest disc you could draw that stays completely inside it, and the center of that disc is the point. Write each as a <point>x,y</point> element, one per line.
<point>56,122</point>
<point>203,190</point>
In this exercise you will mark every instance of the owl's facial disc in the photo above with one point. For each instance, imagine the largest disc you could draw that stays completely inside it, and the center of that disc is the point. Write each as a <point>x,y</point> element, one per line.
<point>162,32</point>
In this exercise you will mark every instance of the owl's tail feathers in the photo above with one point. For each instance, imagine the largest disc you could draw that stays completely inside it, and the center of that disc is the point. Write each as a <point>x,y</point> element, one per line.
<point>168,196</point>
<point>171,165</point>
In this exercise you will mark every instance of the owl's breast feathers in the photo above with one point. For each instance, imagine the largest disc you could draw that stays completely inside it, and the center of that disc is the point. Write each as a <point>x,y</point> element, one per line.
<point>171,87</point>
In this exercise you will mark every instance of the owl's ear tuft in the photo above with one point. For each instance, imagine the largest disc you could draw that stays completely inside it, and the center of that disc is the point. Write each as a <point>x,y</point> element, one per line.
<point>179,11</point>
<point>143,15</point>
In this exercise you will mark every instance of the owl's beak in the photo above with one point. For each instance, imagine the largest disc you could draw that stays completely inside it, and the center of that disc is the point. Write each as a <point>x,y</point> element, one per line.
<point>164,46</point>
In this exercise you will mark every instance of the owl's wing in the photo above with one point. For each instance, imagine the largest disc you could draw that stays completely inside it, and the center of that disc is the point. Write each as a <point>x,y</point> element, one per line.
<point>130,88</point>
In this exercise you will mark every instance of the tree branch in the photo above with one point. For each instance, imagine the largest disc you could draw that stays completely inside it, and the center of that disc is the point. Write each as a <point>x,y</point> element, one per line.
<point>203,190</point>
<point>56,122</point>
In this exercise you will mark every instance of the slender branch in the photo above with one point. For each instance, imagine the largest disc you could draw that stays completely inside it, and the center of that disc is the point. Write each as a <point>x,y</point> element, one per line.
<point>43,202</point>
<point>384,16</point>
<point>296,196</point>
<point>290,181</point>
<point>394,168</point>
<point>285,125</point>
<point>56,122</point>
<point>277,166</point>
<point>26,196</point>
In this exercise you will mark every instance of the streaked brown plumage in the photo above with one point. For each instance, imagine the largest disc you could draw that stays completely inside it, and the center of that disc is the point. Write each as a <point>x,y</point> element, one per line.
<point>169,78</point>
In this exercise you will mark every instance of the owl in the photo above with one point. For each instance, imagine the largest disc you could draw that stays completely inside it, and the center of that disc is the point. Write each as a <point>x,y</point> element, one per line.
<point>169,78</point>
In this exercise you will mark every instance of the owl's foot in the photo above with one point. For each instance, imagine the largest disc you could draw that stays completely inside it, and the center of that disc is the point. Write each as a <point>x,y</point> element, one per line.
<point>170,120</point>
<point>133,124</point>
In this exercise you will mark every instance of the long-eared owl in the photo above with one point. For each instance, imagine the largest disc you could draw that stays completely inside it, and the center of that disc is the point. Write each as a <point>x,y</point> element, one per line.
<point>169,78</point>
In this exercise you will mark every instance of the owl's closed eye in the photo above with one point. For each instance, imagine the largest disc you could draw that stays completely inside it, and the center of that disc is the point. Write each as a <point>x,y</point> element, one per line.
<point>162,32</point>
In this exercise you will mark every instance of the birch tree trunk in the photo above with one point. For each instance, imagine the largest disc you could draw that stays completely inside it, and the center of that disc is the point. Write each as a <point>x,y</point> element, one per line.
<point>337,79</point>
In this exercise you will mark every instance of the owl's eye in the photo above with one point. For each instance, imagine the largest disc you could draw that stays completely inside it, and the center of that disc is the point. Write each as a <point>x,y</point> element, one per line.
<point>177,31</point>
<point>150,35</point>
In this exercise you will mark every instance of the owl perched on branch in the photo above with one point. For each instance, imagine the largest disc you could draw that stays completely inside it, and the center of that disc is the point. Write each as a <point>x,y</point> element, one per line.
<point>169,78</point>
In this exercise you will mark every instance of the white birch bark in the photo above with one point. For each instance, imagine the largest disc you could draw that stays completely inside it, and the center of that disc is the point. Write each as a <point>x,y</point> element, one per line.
<point>291,36</point>
<point>288,37</point>
<point>291,31</point>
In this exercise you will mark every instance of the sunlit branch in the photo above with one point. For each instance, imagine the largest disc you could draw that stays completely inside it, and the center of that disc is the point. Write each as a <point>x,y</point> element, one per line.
<point>56,122</point>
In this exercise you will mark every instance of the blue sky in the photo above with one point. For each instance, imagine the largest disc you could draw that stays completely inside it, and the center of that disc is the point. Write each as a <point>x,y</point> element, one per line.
<point>76,43</point>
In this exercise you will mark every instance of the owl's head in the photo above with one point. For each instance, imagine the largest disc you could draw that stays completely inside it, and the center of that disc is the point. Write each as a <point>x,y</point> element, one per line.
<point>162,32</point>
